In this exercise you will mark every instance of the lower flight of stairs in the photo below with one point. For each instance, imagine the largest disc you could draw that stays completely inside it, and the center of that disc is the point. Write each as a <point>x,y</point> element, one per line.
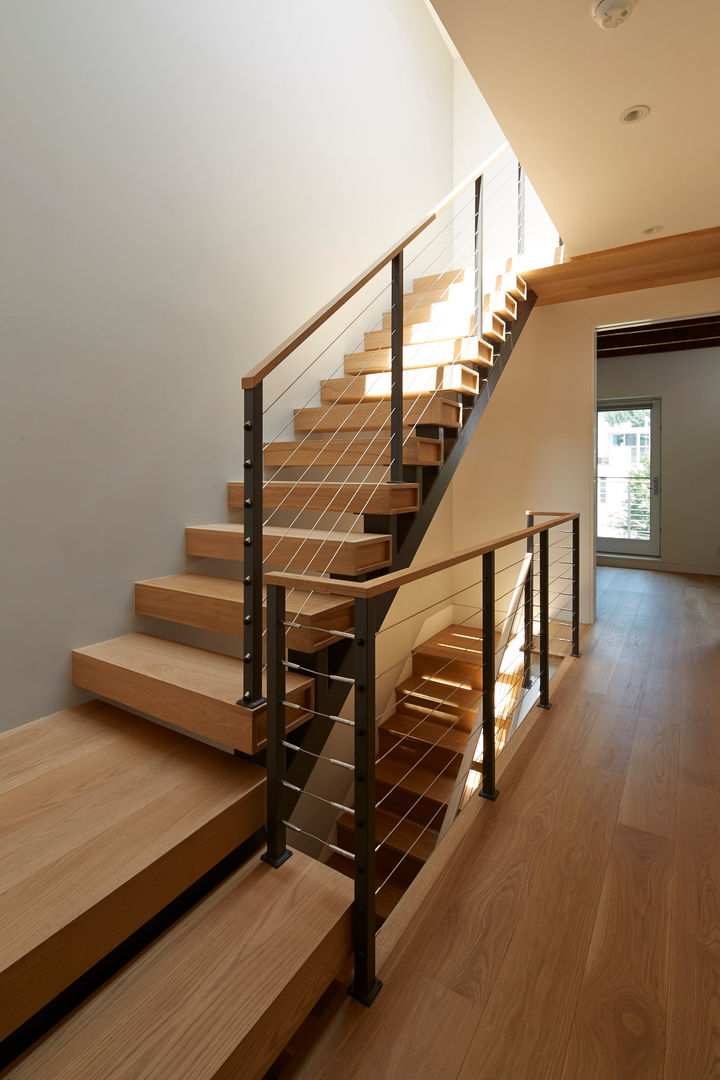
<point>107,820</point>
<point>421,747</point>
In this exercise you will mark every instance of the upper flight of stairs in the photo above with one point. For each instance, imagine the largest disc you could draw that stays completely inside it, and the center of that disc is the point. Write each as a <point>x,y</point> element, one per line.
<point>198,689</point>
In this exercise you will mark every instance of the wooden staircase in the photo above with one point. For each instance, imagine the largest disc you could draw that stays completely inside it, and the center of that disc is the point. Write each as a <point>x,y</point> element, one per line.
<point>113,818</point>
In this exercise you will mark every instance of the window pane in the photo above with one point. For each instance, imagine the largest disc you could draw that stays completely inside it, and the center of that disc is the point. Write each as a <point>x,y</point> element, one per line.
<point>623,510</point>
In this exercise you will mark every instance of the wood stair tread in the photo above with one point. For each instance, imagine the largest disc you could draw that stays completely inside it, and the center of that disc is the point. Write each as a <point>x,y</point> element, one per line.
<point>397,768</point>
<point>345,497</point>
<point>442,329</point>
<point>376,415</point>
<point>377,357</point>
<point>460,643</point>
<point>417,382</point>
<point>436,691</point>
<point>107,818</point>
<point>322,550</point>
<point>401,835</point>
<point>220,993</point>
<point>212,603</point>
<point>192,688</point>
<point>349,450</point>
<point>429,732</point>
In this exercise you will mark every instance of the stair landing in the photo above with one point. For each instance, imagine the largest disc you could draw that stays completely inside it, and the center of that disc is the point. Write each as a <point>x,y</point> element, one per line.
<point>105,820</point>
<point>217,995</point>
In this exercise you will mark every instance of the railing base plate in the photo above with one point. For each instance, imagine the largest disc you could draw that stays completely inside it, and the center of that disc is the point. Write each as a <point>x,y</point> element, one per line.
<point>365,998</point>
<point>257,704</point>
<point>490,795</point>
<point>541,706</point>
<point>276,863</point>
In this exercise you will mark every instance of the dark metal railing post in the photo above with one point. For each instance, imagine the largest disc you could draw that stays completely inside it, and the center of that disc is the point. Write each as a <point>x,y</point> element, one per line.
<point>253,541</point>
<point>479,298</point>
<point>576,588</point>
<point>544,701</point>
<point>365,985</point>
<point>488,790</point>
<point>277,851</point>
<point>396,377</point>
<point>528,605</point>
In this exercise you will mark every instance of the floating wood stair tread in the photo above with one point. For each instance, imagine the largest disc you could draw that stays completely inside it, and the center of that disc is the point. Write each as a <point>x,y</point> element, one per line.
<point>377,357</point>
<point>459,699</point>
<point>440,329</point>
<point>417,382</point>
<point>348,450</point>
<point>502,304</point>
<point>444,280</point>
<point>493,326</point>
<point>428,732</point>
<point>376,415</point>
<point>460,643</point>
<point>397,768</point>
<point>106,819</point>
<point>192,688</point>
<point>320,550</point>
<point>401,835</point>
<point>212,603</point>
<point>220,993</point>
<point>345,497</point>
<point>513,284</point>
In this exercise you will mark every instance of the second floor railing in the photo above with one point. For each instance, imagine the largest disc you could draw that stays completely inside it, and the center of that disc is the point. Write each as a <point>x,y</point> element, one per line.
<point>468,645</point>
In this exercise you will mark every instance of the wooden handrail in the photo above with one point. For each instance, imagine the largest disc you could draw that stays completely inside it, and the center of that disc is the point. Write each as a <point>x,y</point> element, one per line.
<point>258,373</point>
<point>380,585</point>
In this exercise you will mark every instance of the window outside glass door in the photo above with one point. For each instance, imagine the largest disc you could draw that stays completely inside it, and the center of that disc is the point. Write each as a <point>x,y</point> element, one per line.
<point>628,477</point>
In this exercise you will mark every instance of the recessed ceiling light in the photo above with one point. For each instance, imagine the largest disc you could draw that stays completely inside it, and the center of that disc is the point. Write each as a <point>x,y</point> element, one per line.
<point>634,113</point>
<point>653,230</point>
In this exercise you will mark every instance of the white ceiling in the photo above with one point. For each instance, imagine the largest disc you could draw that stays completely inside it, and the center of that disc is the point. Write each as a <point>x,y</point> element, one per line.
<point>557,84</point>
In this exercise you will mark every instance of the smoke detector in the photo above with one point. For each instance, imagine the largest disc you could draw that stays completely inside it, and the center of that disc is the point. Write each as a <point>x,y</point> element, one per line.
<point>609,14</point>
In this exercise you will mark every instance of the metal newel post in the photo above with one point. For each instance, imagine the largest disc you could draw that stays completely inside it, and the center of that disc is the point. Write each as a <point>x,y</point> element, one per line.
<point>253,541</point>
<point>277,851</point>
<point>576,587</point>
<point>528,605</point>
<point>544,702</point>
<point>521,211</point>
<point>396,377</point>
<point>488,790</point>
<point>365,985</point>
<point>479,298</point>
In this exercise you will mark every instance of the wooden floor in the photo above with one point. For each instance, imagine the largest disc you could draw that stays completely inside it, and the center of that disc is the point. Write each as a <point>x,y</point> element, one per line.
<point>575,934</point>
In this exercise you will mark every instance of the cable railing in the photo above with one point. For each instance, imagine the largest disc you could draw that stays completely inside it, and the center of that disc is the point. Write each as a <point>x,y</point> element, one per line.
<point>472,646</point>
<point>389,410</point>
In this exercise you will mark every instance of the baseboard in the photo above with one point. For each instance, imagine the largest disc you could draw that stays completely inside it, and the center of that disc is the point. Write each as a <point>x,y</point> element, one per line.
<point>651,562</point>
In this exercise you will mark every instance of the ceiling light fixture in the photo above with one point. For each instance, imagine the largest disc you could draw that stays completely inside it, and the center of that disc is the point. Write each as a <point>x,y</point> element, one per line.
<point>609,14</point>
<point>653,230</point>
<point>634,113</point>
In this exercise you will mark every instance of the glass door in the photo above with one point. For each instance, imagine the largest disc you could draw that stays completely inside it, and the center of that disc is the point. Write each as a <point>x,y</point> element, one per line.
<point>628,477</point>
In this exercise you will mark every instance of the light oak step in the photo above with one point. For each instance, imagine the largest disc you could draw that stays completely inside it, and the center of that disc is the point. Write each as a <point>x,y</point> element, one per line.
<point>212,603</point>
<point>464,675</point>
<point>502,304</point>
<point>464,275</point>
<point>513,284</point>
<point>106,819</point>
<point>493,326</point>
<point>417,382</point>
<point>451,699</point>
<point>430,328</point>
<point>462,644</point>
<point>302,549</point>
<point>352,450</point>
<point>192,688</point>
<point>427,734</point>
<point>376,415</point>
<point>378,358</point>
<point>220,993</point>
<point>408,786</point>
<point>350,498</point>
<point>396,835</point>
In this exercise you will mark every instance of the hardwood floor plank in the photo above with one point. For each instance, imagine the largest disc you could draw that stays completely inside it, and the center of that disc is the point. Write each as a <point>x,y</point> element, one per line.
<point>619,1025</point>
<point>693,1027</point>
<point>649,798</point>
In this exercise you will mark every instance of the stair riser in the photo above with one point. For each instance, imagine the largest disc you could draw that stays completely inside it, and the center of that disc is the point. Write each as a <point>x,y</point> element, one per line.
<point>224,616</point>
<point>375,416</point>
<point>384,499</point>
<point>308,554</point>
<point>416,382</point>
<point>186,709</point>
<point>416,451</point>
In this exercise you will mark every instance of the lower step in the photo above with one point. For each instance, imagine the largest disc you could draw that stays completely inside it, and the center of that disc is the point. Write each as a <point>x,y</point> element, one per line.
<point>106,819</point>
<point>417,382</point>
<point>349,450</point>
<point>341,498</point>
<point>376,415</point>
<point>192,688</point>
<point>454,351</point>
<point>220,993</point>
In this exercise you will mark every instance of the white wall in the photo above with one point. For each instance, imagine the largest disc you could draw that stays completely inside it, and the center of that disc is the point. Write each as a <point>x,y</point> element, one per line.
<point>183,184</point>
<point>534,448</point>
<point>688,383</point>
